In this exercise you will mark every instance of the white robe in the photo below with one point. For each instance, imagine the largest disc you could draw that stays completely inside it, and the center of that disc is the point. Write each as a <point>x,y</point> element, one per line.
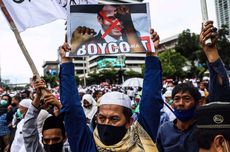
<point>18,142</point>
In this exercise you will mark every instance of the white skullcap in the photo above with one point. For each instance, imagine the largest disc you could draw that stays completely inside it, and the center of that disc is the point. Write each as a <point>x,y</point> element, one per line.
<point>116,98</point>
<point>25,103</point>
<point>168,93</point>
<point>82,91</point>
<point>205,78</point>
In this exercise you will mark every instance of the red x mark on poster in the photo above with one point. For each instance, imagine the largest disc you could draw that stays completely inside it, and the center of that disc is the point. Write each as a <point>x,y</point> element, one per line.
<point>113,25</point>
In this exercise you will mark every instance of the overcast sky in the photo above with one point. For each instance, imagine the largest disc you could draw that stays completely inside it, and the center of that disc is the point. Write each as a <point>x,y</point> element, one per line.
<point>168,17</point>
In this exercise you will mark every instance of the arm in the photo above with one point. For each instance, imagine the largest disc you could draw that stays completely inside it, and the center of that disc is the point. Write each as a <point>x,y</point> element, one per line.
<point>219,84</point>
<point>79,135</point>
<point>30,132</point>
<point>151,101</point>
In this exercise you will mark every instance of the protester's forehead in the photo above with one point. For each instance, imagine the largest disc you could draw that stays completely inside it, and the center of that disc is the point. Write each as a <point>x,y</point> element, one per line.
<point>112,108</point>
<point>183,93</point>
<point>52,132</point>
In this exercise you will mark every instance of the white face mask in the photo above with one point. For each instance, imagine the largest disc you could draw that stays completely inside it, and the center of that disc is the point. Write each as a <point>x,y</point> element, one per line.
<point>226,146</point>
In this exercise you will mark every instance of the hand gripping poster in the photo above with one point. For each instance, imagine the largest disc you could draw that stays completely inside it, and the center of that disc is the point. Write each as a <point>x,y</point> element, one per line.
<point>109,29</point>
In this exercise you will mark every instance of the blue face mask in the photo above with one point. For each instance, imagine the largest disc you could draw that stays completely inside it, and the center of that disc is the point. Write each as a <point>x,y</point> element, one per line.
<point>185,115</point>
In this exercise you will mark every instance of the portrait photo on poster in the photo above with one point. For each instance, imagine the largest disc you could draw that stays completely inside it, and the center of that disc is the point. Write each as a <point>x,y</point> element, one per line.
<point>109,29</point>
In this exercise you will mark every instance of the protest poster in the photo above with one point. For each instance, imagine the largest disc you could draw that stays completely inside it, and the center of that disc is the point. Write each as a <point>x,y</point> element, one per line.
<point>119,28</point>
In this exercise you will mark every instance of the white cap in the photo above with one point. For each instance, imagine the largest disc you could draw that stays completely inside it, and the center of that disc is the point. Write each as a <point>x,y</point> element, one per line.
<point>82,91</point>
<point>205,78</point>
<point>168,93</point>
<point>25,103</point>
<point>116,98</point>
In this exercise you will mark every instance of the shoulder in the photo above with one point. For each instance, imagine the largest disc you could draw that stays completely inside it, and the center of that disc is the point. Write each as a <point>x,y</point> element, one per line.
<point>169,125</point>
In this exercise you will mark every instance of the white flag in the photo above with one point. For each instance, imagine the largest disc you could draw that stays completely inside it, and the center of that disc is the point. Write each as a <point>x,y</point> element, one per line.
<point>31,13</point>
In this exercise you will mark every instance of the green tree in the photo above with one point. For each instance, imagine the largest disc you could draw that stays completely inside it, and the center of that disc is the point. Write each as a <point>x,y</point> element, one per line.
<point>93,78</point>
<point>224,45</point>
<point>109,75</point>
<point>188,45</point>
<point>173,63</point>
<point>131,73</point>
<point>51,79</point>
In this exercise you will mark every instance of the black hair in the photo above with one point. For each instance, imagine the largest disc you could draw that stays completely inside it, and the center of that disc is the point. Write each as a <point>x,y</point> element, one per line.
<point>187,87</point>
<point>9,98</point>
<point>54,122</point>
<point>205,137</point>
<point>17,97</point>
<point>26,92</point>
<point>128,113</point>
<point>96,93</point>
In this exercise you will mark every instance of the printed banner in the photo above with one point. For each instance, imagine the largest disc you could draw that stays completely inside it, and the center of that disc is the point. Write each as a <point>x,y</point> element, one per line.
<point>119,28</point>
<point>31,13</point>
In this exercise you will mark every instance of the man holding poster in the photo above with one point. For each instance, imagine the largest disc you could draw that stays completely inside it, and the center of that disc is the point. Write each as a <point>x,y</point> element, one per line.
<point>120,28</point>
<point>115,129</point>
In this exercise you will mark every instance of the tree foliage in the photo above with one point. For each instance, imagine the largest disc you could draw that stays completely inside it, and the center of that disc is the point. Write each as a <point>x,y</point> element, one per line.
<point>131,73</point>
<point>188,45</point>
<point>223,46</point>
<point>51,80</point>
<point>172,63</point>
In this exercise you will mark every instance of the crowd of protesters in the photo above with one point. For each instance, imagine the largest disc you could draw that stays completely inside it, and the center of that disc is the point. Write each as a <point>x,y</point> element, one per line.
<point>162,115</point>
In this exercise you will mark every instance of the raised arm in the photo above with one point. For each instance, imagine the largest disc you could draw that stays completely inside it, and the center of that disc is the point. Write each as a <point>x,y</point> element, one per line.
<point>30,132</point>
<point>79,135</point>
<point>219,83</point>
<point>151,101</point>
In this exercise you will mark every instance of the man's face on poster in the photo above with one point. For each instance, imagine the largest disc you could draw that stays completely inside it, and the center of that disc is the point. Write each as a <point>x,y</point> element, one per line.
<point>110,12</point>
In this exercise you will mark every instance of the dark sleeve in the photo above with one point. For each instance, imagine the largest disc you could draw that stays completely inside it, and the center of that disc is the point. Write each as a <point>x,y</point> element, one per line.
<point>217,91</point>
<point>9,116</point>
<point>79,135</point>
<point>158,141</point>
<point>151,101</point>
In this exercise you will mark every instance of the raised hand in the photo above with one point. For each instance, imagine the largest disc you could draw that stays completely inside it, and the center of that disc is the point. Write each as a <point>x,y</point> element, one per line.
<point>62,50</point>
<point>209,31</point>
<point>38,85</point>
<point>50,99</point>
<point>156,40</point>
<point>81,35</point>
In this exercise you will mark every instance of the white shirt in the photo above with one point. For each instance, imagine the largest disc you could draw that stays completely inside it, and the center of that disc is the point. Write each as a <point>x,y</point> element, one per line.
<point>18,143</point>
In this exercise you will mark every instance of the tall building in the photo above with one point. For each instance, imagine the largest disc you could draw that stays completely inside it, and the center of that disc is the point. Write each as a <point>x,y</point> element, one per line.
<point>223,13</point>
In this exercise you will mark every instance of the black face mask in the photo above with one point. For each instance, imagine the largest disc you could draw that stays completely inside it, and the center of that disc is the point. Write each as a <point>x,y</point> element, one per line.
<point>110,135</point>
<point>13,104</point>
<point>54,147</point>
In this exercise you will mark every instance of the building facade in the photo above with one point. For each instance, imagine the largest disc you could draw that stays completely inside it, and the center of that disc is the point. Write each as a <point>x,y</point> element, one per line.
<point>223,13</point>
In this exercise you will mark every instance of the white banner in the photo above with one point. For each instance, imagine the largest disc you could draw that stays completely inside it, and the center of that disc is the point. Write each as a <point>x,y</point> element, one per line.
<point>31,13</point>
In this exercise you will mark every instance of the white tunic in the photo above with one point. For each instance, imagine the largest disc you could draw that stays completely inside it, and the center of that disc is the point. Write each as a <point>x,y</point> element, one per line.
<point>18,142</point>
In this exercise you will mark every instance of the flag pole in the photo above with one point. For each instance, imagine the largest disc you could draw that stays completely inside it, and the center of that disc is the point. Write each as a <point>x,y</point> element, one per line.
<point>204,12</point>
<point>19,40</point>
